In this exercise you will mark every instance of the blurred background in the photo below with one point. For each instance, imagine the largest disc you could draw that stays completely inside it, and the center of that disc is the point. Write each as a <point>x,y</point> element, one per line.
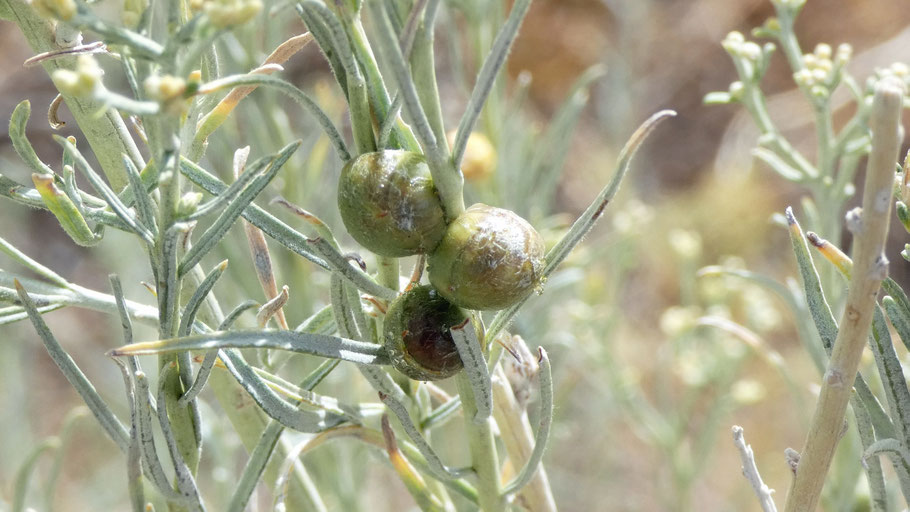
<point>650,369</point>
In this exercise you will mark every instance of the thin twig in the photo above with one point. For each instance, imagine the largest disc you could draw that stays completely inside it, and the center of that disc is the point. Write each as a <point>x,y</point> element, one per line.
<point>750,471</point>
<point>870,268</point>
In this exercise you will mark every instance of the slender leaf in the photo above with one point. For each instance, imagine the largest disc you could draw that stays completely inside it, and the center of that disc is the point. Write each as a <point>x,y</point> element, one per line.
<point>219,228</point>
<point>294,93</point>
<point>273,405</point>
<point>106,191</point>
<point>543,429</point>
<point>315,344</point>
<point>109,422</point>
<point>586,221</point>
<point>487,77</point>
<point>475,366</point>
<point>17,134</point>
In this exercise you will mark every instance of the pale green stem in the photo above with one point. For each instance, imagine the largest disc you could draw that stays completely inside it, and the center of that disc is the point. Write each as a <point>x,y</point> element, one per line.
<point>422,67</point>
<point>389,272</point>
<point>482,445</point>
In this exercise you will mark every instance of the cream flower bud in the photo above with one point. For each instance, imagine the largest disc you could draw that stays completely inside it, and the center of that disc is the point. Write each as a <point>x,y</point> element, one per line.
<point>81,81</point>
<point>823,51</point>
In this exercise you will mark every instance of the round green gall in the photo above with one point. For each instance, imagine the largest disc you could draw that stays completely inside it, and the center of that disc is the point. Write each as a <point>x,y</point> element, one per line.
<point>489,259</point>
<point>389,204</point>
<point>416,334</point>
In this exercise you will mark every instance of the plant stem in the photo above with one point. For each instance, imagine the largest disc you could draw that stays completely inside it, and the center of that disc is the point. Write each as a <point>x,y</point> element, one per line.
<point>870,268</point>
<point>422,67</point>
<point>482,444</point>
<point>388,272</point>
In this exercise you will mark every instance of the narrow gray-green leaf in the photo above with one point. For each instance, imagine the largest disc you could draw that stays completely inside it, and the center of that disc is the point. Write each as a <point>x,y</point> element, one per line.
<point>898,311</point>
<point>388,42</point>
<point>586,221</point>
<point>543,428</point>
<point>326,44</point>
<point>873,467</point>
<point>314,344</point>
<point>826,324</point>
<point>255,466</point>
<point>24,473</point>
<point>219,228</point>
<point>144,207</point>
<point>487,76</point>
<point>475,366</point>
<point>355,305</point>
<point>195,301</point>
<point>294,93</point>
<point>317,251</point>
<point>890,368</point>
<point>347,327</point>
<point>109,422</point>
<point>16,314</point>
<point>17,130</point>
<point>232,191</point>
<point>154,470</point>
<point>320,322</point>
<point>287,414</point>
<point>27,262</point>
<point>884,446</point>
<point>31,197</point>
<point>437,468</point>
<point>340,264</point>
<point>106,191</point>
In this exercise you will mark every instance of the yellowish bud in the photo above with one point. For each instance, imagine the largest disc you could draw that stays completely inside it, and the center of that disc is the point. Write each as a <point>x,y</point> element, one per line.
<point>226,13</point>
<point>56,9</point>
<point>479,160</point>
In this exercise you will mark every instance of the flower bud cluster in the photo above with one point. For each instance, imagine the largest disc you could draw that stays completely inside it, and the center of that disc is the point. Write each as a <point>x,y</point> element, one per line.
<point>898,72</point>
<point>737,45</point>
<point>84,80</point>
<point>63,10</point>
<point>822,69</point>
<point>168,90</point>
<point>751,59</point>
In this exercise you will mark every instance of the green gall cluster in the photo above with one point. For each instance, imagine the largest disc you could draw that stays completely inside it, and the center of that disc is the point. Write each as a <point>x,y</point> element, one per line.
<point>485,259</point>
<point>417,337</point>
